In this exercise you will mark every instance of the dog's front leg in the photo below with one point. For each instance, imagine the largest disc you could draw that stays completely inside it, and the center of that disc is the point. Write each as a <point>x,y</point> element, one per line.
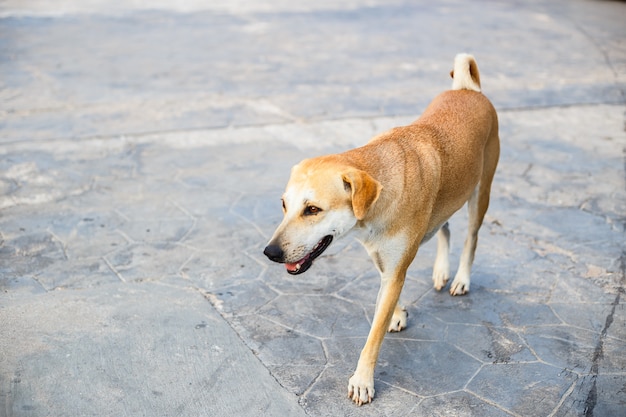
<point>361,384</point>
<point>399,318</point>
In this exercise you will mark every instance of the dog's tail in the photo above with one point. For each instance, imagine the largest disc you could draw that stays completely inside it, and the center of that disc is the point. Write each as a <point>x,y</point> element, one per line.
<point>465,74</point>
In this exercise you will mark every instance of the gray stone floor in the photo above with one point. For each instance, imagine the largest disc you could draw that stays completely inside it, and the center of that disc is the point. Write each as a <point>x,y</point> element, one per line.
<point>143,152</point>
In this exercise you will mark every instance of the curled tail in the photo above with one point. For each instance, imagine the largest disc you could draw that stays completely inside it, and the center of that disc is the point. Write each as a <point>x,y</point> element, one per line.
<point>465,74</point>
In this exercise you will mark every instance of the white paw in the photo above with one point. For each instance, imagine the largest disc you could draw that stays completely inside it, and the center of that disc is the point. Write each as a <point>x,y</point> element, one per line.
<point>460,286</point>
<point>399,319</point>
<point>361,389</point>
<point>441,275</point>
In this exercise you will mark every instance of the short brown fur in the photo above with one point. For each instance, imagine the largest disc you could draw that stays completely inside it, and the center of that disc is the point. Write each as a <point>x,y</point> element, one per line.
<point>403,186</point>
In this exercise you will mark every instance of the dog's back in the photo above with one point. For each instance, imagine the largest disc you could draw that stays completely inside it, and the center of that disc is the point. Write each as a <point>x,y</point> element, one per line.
<point>461,125</point>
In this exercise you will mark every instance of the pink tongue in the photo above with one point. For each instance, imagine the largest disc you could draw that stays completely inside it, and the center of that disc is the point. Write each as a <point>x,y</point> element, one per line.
<point>291,267</point>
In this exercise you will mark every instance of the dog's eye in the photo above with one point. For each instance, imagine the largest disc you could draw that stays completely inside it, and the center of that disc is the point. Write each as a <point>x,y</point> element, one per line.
<point>311,210</point>
<point>284,206</point>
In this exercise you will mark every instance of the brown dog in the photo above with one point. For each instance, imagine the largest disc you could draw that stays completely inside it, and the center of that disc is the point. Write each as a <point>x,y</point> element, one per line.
<point>395,193</point>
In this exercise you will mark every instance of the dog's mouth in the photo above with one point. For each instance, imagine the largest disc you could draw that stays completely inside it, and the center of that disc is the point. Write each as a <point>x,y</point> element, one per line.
<point>305,263</point>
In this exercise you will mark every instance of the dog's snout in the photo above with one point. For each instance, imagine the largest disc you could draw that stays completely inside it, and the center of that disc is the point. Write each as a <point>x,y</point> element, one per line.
<point>274,252</point>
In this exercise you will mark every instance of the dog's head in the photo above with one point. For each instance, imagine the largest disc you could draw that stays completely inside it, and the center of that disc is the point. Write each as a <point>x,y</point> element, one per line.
<point>323,200</point>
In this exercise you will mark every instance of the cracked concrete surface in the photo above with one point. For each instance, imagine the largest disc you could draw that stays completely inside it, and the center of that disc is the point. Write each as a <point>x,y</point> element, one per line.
<point>144,149</point>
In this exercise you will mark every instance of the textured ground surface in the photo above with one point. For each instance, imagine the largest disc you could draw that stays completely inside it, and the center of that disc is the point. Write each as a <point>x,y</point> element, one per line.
<point>143,152</point>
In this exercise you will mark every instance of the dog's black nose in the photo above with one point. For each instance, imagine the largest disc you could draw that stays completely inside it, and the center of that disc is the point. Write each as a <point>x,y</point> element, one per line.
<point>274,252</point>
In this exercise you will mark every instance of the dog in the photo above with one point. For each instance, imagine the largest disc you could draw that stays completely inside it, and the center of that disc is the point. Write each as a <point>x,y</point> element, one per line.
<point>395,193</point>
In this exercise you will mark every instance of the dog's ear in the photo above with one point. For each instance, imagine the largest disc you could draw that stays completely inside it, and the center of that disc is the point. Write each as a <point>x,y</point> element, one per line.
<point>364,189</point>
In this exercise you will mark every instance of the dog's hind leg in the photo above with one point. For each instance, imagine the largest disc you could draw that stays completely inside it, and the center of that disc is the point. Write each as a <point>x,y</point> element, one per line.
<point>461,283</point>
<point>399,319</point>
<point>477,207</point>
<point>441,269</point>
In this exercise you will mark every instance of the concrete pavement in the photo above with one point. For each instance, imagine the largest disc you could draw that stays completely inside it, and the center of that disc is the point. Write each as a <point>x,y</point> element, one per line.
<point>143,151</point>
